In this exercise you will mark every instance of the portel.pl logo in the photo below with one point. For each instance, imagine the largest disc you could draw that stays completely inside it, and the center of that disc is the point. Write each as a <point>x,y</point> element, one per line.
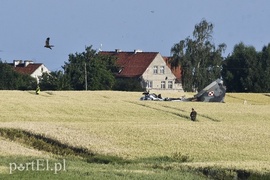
<point>38,165</point>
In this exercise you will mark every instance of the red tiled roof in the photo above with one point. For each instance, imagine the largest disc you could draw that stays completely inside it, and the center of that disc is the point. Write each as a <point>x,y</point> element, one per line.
<point>29,69</point>
<point>175,70</point>
<point>132,64</point>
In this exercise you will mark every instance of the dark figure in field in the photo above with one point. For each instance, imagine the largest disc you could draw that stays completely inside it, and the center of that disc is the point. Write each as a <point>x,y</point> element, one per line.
<point>193,115</point>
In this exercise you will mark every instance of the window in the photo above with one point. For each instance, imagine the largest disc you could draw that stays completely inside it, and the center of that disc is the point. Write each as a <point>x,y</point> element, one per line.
<point>155,70</point>
<point>170,84</point>
<point>149,84</point>
<point>162,69</point>
<point>163,83</point>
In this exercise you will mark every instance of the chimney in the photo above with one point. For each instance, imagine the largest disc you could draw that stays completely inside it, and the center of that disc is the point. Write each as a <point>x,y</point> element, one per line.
<point>27,62</point>
<point>118,50</point>
<point>17,62</point>
<point>137,51</point>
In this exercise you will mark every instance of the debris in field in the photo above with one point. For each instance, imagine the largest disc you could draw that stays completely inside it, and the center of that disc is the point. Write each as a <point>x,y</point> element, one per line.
<point>155,97</point>
<point>214,92</point>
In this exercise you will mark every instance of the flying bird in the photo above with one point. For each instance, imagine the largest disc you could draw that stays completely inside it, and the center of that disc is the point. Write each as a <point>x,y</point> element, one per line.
<point>47,43</point>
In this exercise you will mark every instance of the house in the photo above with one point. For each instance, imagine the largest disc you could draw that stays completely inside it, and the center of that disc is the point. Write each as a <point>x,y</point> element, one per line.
<point>151,68</point>
<point>35,70</point>
<point>177,71</point>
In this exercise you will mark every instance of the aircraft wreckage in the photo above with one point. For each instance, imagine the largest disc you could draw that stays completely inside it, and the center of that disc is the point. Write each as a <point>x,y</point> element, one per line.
<point>214,92</point>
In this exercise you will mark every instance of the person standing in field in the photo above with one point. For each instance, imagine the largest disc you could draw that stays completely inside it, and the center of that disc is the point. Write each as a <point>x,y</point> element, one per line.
<point>37,90</point>
<point>193,115</point>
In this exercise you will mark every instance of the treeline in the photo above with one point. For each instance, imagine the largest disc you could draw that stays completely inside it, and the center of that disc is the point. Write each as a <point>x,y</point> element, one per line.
<point>88,71</point>
<point>244,70</point>
<point>11,80</point>
<point>83,71</point>
<point>247,70</point>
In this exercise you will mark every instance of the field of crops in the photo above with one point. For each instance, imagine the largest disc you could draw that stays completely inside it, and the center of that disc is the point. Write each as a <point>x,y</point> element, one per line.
<point>233,135</point>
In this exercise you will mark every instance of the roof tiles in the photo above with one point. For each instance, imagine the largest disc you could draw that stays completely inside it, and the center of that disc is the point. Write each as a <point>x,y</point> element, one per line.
<point>132,64</point>
<point>29,69</point>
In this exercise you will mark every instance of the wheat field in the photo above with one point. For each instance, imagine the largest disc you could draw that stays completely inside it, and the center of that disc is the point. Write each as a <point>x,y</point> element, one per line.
<point>234,134</point>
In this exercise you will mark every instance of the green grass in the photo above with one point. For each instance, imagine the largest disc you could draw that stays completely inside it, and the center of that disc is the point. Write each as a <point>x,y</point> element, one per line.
<point>77,168</point>
<point>131,139</point>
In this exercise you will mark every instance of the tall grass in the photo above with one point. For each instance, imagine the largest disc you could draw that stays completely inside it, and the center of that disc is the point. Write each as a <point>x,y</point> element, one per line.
<point>228,135</point>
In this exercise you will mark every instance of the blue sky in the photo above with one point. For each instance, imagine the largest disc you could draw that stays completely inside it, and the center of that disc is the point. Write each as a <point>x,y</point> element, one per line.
<point>149,25</point>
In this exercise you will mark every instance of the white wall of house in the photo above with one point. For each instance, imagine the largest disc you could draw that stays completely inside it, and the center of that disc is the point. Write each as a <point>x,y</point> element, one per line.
<point>158,76</point>
<point>39,71</point>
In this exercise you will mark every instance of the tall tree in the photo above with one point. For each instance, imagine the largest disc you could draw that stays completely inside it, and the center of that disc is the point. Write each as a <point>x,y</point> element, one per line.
<point>88,70</point>
<point>11,80</point>
<point>55,80</point>
<point>265,70</point>
<point>199,59</point>
<point>241,70</point>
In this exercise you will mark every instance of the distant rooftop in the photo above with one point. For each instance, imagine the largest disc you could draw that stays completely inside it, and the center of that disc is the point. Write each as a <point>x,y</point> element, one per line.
<point>133,63</point>
<point>25,67</point>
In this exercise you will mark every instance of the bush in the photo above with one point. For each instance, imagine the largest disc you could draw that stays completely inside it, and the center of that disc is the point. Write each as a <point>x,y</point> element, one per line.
<point>105,159</point>
<point>128,84</point>
<point>181,157</point>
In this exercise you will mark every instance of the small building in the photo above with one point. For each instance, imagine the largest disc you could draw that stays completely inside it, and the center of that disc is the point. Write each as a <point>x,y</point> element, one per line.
<point>35,70</point>
<point>151,68</point>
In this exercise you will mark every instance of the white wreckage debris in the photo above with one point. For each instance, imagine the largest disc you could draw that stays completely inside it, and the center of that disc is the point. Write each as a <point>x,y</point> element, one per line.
<point>154,97</point>
<point>214,92</point>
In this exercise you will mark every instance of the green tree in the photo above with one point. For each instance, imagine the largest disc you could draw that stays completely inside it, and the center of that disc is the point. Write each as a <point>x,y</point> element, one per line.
<point>91,70</point>
<point>55,80</point>
<point>241,70</point>
<point>199,59</point>
<point>7,76</point>
<point>128,84</point>
<point>11,80</point>
<point>24,82</point>
<point>264,59</point>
